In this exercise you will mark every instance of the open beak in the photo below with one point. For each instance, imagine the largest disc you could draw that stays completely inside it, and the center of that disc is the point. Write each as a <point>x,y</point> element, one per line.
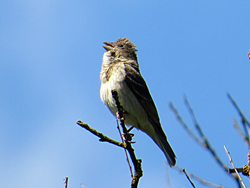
<point>109,46</point>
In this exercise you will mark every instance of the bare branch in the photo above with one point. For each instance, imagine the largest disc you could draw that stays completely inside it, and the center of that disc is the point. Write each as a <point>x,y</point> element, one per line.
<point>188,178</point>
<point>244,120</point>
<point>126,144</point>
<point>231,161</point>
<point>206,142</point>
<point>243,136</point>
<point>102,137</point>
<point>126,153</point>
<point>245,170</point>
<point>66,182</point>
<point>203,141</point>
<point>202,181</point>
<point>136,162</point>
<point>184,125</point>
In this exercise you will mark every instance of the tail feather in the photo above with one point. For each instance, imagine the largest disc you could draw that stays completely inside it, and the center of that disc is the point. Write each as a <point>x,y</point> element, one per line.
<point>166,148</point>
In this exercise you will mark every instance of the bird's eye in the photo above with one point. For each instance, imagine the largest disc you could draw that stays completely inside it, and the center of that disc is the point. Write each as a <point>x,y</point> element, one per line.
<point>120,45</point>
<point>112,54</point>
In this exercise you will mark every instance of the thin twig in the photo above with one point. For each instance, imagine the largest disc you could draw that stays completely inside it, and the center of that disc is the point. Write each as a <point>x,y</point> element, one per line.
<point>232,170</point>
<point>66,182</point>
<point>136,162</point>
<point>202,181</point>
<point>120,121</point>
<point>231,161</point>
<point>245,170</point>
<point>243,136</point>
<point>202,135</point>
<point>244,120</point>
<point>126,153</point>
<point>188,178</point>
<point>184,125</point>
<point>204,142</point>
<point>102,137</point>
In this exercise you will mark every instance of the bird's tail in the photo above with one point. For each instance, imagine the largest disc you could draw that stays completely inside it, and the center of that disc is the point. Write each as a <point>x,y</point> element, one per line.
<point>166,148</point>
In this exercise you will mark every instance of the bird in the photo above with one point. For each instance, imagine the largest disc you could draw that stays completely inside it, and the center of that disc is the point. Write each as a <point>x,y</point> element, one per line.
<point>120,72</point>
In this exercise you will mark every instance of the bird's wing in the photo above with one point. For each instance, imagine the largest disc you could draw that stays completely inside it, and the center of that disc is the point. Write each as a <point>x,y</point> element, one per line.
<point>139,88</point>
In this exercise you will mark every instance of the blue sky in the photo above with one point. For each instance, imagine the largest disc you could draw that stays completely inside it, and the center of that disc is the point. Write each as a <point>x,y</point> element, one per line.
<point>51,54</point>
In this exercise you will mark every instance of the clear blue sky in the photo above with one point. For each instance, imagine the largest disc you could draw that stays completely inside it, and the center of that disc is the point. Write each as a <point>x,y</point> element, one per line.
<point>50,60</point>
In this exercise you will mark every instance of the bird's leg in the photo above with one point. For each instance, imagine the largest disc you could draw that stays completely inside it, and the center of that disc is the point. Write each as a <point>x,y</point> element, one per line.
<point>118,116</point>
<point>127,137</point>
<point>130,129</point>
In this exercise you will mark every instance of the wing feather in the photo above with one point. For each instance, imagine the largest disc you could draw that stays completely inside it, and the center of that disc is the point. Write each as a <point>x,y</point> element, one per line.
<point>139,88</point>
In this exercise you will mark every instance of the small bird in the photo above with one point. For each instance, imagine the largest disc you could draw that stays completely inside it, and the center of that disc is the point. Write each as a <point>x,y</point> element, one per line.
<point>120,72</point>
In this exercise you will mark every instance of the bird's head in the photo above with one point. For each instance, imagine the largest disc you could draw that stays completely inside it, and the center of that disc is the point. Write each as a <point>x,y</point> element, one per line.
<point>122,48</point>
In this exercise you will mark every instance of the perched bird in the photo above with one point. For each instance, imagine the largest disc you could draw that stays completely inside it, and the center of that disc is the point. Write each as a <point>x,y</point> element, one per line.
<point>120,72</point>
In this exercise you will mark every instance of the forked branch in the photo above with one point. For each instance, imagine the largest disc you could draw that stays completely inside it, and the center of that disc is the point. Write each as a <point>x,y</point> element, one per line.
<point>126,143</point>
<point>201,138</point>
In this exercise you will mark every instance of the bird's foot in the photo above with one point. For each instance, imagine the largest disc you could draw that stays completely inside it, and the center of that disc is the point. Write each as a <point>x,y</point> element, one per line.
<point>118,116</point>
<point>127,137</point>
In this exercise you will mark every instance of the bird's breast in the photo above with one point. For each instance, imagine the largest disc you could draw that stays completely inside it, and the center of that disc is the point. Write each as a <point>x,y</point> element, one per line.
<point>135,115</point>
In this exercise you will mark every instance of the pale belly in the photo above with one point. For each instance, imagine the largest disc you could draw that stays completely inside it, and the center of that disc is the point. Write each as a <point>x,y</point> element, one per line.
<point>135,115</point>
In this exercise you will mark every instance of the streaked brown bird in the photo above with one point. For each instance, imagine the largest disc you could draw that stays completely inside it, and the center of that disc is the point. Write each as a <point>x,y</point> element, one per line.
<point>120,72</point>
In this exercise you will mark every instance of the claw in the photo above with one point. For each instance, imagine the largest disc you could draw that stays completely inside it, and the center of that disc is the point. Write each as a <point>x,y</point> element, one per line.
<point>127,137</point>
<point>118,117</point>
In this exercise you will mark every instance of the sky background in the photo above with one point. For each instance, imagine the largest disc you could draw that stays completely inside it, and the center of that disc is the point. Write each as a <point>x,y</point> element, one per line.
<point>50,60</point>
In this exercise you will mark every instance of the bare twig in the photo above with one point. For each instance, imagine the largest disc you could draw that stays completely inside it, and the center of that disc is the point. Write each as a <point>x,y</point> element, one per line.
<point>120,121</point>
<point>126,145</point>
<point>231,161</point>
<point>245,170</point>
<point>202,181</point>
<point>102,137</point>
<point>188,178</point>
<point>203,141</point>
<point>232,170</point>
<point>243,136</point>
<point>184,125</point>
<point>66,182</point>
<point>126,153</point>
<point>206,142</point>
<point>136,162</point>
<point>244,120</point>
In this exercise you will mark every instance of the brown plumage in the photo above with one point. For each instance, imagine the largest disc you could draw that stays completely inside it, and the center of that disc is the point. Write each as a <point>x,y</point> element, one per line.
<point>120,72</point>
